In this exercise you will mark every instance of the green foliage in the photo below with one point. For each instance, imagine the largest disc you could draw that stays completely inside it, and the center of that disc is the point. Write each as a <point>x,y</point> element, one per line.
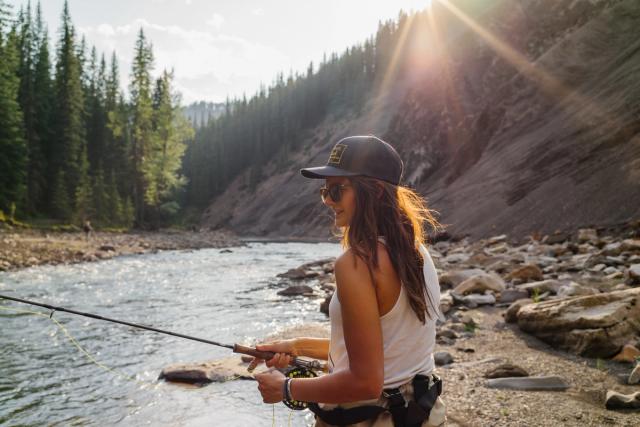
<point>535,295</point>
<point>60,204</point>
<point>13,150</point>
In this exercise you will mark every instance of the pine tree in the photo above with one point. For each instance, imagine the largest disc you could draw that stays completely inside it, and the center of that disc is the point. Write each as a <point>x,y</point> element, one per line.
<point>12,143</point>
<point>41,152</point>
<point>69,148</point>
<point>142,126</point>
<point>83,194</point>
<point>171,129</point>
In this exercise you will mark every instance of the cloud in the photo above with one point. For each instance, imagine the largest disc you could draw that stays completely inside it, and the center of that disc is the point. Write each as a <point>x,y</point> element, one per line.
<point>257,12</point>
<point>208,66</point>
<point>216,21</point>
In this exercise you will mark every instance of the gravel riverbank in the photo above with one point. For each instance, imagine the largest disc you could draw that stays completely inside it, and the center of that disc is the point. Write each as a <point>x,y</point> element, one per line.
<point>26,248</point>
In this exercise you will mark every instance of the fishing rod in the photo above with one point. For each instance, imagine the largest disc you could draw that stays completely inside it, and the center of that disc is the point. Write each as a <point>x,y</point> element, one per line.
<point>310,365</point>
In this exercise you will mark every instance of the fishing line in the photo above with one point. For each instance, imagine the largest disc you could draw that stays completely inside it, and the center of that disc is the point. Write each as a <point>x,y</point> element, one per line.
<point>80,348</point>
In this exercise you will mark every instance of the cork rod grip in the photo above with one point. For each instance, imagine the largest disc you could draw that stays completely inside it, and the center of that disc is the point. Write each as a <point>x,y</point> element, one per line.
<point>266,355</point>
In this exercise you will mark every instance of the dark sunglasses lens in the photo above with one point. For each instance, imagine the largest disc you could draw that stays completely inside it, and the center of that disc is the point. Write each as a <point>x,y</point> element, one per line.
<point>335,192</point>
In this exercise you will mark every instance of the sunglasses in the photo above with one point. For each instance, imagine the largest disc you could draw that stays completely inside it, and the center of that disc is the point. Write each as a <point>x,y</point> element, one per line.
<point>333,191</point>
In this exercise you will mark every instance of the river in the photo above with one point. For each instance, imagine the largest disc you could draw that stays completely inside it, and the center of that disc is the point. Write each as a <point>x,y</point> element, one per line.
<point>225,297</point>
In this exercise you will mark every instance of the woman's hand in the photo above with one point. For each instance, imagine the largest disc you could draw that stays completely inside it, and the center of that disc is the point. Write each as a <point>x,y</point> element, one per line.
<point>284,351</point>
<point>271,384</point>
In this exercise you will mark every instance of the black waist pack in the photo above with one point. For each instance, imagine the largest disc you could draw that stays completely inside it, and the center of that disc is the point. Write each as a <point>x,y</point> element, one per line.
<point>426,390</point>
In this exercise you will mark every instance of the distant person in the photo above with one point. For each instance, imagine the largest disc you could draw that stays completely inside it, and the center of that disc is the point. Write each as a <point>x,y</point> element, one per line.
<point>88,230</point>
<point>383,313</point>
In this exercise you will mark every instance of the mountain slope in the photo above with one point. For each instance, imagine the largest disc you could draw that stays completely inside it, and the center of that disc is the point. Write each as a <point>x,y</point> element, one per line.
<point>531,125</point>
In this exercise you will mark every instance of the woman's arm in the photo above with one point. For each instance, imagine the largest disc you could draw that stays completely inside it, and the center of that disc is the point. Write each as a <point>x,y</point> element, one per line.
<point>363,338</point>
<point>316,348</point>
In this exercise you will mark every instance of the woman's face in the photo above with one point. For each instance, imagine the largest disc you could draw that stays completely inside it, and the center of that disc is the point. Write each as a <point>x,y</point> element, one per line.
<point>345,208</point>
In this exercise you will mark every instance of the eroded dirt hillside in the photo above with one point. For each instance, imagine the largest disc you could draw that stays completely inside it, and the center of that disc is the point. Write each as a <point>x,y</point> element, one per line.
<point>526,119</point>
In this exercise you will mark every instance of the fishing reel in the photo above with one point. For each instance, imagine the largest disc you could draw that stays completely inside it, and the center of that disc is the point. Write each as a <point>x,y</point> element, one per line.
<point>298,372</point>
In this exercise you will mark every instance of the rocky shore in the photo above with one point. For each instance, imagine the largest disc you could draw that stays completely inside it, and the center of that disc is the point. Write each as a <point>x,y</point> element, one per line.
<point>546,332</point>
<point>26,248</point>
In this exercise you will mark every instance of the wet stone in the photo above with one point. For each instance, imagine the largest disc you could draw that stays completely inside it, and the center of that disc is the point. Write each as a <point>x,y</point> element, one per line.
<point>617,400</point>
<point>506,370</point>
<point>548,383</point>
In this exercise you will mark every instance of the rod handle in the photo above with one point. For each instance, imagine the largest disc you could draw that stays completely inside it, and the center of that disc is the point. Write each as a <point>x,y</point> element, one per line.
<point>266,355</point>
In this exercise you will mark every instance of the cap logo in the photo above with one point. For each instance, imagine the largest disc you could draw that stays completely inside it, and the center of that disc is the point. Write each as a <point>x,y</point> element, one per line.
<point>336,154</point>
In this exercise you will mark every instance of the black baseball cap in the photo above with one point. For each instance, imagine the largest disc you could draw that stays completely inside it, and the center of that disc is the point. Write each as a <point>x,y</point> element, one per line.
<point>360,156</point>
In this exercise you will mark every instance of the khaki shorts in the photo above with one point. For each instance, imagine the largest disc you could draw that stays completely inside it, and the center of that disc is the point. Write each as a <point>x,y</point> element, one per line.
<point>437,417</point>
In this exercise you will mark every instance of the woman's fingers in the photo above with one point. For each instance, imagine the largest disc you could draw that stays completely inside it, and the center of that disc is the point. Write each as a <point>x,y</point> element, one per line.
<point>279,360</point>
<point>254,363</point>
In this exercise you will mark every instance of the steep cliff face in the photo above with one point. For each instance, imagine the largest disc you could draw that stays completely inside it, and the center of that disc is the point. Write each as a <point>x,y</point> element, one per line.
<point>525,119</point>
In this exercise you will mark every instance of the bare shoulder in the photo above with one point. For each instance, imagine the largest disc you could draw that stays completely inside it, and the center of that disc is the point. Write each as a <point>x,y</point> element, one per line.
<point>349,263</point>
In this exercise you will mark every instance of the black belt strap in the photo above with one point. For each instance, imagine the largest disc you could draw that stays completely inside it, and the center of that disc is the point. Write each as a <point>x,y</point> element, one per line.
<point>403,413</point>
<point>341,417</point>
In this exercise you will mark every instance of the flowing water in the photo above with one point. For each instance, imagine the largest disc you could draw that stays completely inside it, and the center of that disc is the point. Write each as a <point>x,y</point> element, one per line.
<point>225,297</point>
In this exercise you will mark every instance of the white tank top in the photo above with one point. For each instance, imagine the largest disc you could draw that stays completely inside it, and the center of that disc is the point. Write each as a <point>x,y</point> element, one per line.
<point>408,343</point>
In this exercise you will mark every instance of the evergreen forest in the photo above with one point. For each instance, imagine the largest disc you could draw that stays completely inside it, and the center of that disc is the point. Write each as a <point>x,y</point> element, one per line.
<point>76,146</point>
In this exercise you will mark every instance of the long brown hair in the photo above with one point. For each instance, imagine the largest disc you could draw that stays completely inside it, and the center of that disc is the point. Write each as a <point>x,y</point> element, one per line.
<point>400,215</point>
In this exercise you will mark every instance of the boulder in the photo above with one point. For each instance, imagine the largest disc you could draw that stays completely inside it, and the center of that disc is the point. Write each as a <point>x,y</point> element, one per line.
<point>592,326</point>
<point>628,354</point>
<point>506,370</point>
<point>550,383</point>
<point>617,400</point>
<point>201,373</point>
<point>510,315</point>
<point>294,274</point>
<point>526,273</point>
<point>480,283</point>
<point>453,278</point>
<point>296,290</point>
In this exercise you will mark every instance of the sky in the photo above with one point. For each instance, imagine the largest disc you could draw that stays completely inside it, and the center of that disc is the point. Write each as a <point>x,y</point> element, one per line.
<point>225,48</point>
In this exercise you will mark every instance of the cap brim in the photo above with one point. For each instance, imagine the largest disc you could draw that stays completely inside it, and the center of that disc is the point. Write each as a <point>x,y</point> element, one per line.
<point>321,172</point>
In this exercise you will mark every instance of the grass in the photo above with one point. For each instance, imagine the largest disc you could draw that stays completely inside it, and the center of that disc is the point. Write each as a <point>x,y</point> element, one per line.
<point>535,295</point>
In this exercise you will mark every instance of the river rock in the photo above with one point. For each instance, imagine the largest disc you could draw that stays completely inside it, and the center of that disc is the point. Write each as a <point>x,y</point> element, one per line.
<point>201,373</point>
<point>474,300</point>
<point>634,377</point>
<point>481,283</point>
<point>294,274</point>
<point>556,238</point>
<point>617,400</point>
<point>496,239</point>
<point>456,258</point>
<point>629,353</point>
<point>592,326</point>
<point>633,275</point>
<point>550,285</point>
<point>575,289</point>
<point>511,295</point>
<point>587,235</point>
<point>296,290</point>
<point>324,306</point>
<point>446,302</point>
<point>506,370</point>
<point>526,273</point>
<point>630,245</point>
<point>442,358</point>
<point>510,315</point>
<point>550,383</point>
<point>107,248</point>
<point>453,278</point>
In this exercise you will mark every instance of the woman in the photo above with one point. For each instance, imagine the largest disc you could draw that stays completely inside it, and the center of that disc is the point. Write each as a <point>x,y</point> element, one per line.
<point>386,303</point>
